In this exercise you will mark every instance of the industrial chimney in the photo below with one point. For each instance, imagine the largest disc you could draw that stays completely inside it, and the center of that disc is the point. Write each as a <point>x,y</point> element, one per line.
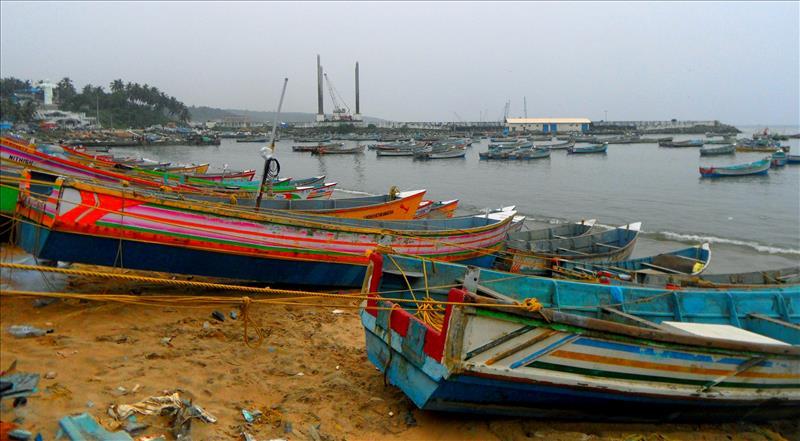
<point>358,103</point>
<point>320,109</point>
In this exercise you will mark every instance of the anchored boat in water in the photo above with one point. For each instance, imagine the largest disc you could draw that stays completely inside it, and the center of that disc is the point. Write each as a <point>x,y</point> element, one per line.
<point>751,168</point>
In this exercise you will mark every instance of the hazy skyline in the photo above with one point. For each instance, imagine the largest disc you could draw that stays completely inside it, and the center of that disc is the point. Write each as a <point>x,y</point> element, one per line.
<point>736,62</point>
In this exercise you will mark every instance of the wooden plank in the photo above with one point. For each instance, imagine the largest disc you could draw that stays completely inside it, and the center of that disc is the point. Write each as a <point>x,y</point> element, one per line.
<point>774,320</point>
<point>739,369</point>
<point>573,251</point>
<point>409,274</point>
<point>633,318</point>
<point>662,269</point>
<point>528,343</point>
<point>498,341</point>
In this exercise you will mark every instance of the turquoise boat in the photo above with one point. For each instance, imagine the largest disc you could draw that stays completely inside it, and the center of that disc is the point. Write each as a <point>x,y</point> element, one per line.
<point>751,168</point>
<point>779,159</point>
<point>687,261</point>
<point>536,347</point>
<point>595,148</point>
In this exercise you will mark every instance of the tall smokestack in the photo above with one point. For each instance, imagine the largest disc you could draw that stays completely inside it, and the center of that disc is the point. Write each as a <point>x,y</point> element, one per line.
<point>320,109</point>
<point>358,106</point>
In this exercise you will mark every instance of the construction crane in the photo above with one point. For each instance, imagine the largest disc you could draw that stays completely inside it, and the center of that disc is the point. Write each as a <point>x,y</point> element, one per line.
<point>340,107</point>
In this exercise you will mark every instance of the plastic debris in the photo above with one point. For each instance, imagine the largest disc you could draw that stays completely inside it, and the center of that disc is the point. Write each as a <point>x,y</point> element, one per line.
<point>90,404</point>
<point>337,311</point>
<point>20,401</point>
<point>248,437</point>
<point>166,341</point>
<point>151,438</point>
<point>154,405</point>
<point>313,433</point>
<point>22,385</point>
<point>206,326</point>
<point>84,426</point>
<point>23,331</point>
<point>218,316</point>
<point>391,414</point>
<point>248,416</point>
<point>19,434</point>
<point>234,315</point>
<point>136,388</point>
<point>50,375</point>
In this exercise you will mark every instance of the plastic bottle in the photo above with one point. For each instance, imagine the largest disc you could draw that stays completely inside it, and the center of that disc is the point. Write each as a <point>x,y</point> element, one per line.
<point>22,331</point>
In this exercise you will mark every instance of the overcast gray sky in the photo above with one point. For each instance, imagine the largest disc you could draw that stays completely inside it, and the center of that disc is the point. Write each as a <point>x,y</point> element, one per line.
<point>736,62</point>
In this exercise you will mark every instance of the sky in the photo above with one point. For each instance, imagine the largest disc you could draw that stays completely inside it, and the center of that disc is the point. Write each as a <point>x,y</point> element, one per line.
<point>737,62</point>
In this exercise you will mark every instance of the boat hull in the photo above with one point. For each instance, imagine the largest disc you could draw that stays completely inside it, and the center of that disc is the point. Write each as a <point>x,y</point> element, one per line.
<point>754,168</point>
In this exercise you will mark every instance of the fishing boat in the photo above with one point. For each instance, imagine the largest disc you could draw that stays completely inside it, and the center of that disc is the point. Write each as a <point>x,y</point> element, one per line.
<point>226,175</point>
<point>443,209</point>
<point>751,168</point>
<point>449,153</point>
<point>729,149</point>
<point>763,279</point>
<point>424,209</point>
<point>253,139</point>
<point>561,231</point>
<point>687,143</point>
<point>339,150</point>
<point>684,262</point>
<point>557,146</point>
<point>726,140</point>
<point>587,149</point>
<point>46,158</point>
<point>125,228</point>
<point>542,348</point>
<point>527,154</point>
<point>779,159</point>
<point>538,256</point>
<point>655,140</point>
<point>793,159</point>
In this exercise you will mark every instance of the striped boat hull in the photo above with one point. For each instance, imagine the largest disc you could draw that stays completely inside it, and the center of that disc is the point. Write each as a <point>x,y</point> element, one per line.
<point>90,224</point>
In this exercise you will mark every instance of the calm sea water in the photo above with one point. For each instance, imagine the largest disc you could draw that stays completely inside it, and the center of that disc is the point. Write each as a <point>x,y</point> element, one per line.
<point>752,222</point>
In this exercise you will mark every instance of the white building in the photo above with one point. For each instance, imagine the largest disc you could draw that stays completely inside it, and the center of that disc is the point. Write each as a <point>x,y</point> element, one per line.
<point>548,125</point>
<point>65,119</point>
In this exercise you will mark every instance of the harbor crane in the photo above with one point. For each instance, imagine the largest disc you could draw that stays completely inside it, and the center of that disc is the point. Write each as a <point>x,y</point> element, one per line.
<point>340,107</point>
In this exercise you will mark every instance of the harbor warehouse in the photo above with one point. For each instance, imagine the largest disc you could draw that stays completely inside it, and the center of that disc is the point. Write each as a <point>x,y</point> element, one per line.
<point>548,125</point>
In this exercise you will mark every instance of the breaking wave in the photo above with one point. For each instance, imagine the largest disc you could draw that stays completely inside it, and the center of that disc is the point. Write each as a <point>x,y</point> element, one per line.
<point>694,238</point>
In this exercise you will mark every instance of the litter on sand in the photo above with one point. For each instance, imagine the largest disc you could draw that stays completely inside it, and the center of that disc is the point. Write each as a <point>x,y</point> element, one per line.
<point>84,427</point>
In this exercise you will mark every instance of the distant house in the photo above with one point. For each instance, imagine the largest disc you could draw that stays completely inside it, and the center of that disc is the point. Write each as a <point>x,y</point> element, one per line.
<point>63,119</point>
<point>548,125</point>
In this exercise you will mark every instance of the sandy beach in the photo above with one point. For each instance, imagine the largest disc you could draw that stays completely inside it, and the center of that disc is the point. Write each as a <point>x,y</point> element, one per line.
<point>310,377</point>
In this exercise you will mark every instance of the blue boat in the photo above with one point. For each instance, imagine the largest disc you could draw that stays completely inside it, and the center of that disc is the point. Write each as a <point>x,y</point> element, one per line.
<point>779,159</point>
<point>793,159</point>
<point>751,168</point>
<point>687,262</point>
<point>545,348</point>
<point>595,148</point>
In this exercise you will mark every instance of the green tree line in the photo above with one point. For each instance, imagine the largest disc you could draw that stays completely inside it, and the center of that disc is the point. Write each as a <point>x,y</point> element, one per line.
<point>123,105</point>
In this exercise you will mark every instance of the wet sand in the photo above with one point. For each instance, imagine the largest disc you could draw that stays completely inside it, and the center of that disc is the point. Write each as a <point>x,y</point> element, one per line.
<point>98,347</point>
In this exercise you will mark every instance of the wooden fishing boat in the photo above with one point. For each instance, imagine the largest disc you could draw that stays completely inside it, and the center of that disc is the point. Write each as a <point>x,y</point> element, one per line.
<point>449,153</point>
<point>654,140</point>
<point>685,262</point>
<point>537,256</point>
<point>424,209</point>
<point>596,148</point>
<point>744,280</point>
<point>79,222</point>
<point>253,139</point>
<point>495,154</point>
<point>21,153</point>
<point>326,150</point>
<point>554,349</point>
<point>779,159</point>
<point>793,159</point>
<point>443,209</point>
<point>687,143</point>
<point>527,154</point>
<point>563,231</point>
<point>751,168</point>
<point>557,146</point>
<point>226,175</point>
<point>392,153</point>
<point>315,139</point>
<point>729,149</point>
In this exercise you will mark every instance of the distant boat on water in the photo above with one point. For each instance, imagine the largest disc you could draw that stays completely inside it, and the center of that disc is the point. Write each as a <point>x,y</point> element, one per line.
<point>751,168</point>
